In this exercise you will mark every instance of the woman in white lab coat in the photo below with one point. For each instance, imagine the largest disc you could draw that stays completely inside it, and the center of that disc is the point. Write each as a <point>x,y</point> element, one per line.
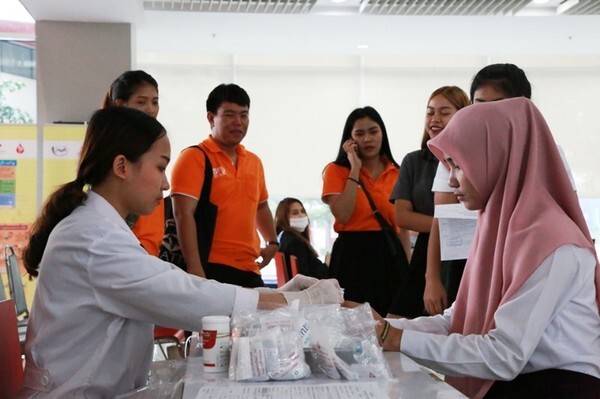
<point>99,293</point>
<point>526,320</point>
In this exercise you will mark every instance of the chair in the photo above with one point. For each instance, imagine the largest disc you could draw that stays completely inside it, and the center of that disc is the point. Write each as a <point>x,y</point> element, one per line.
<point>168,343</point>
<point>11,363</point>
<point>17,292</point>
<point>15,284</point>
<point>293,265</point>
<point>281,269</point>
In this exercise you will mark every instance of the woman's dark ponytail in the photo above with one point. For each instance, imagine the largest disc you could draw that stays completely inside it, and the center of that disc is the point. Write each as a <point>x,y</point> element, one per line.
<point>58,206</point>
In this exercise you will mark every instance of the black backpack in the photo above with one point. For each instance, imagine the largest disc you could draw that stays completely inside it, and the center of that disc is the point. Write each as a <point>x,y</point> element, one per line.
<point>205,216</point>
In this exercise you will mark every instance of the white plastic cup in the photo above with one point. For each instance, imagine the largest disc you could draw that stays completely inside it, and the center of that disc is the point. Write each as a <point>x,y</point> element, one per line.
<point>215,343</point>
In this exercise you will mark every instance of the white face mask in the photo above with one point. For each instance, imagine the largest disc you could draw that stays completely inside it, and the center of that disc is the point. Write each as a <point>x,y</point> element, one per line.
<point>299,224</point>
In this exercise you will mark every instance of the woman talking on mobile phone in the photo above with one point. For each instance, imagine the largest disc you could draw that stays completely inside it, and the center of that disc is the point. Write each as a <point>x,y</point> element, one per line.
<point>362,259</point>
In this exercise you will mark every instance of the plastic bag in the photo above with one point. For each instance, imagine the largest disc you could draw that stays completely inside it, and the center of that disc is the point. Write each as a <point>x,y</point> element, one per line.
<point>344,344</point>
<point>267,346</point>
<point>290,344</point>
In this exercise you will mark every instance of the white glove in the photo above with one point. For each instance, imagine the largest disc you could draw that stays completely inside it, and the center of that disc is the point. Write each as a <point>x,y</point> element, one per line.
<point>298,283</point>
<point>323,292</point>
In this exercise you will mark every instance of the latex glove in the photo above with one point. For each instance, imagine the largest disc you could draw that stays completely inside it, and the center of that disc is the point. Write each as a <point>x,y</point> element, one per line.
<point>298,283</point>
<point>323,292</point>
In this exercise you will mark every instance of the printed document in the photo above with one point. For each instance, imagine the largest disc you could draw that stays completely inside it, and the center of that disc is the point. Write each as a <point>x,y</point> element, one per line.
<point>345,390</point>
<point>457,229</point>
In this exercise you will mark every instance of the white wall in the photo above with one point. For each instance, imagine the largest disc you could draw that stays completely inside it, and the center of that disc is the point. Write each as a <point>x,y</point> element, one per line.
<point>304,75</point>
<point>299,105</point>
<point>76,63</point>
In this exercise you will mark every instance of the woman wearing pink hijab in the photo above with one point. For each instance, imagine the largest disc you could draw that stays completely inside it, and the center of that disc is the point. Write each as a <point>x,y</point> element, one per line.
<point>526,320</point>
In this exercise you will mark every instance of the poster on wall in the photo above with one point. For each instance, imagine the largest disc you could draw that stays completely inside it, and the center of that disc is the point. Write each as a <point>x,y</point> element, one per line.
<point>18,184</point>
<point>15,235</point>
<point>7,183</point>
<point>18,173</point>
<point>62,145</point>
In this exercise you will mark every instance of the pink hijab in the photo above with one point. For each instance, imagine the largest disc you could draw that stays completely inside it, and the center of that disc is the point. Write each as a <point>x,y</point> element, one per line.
<point>507,152</point>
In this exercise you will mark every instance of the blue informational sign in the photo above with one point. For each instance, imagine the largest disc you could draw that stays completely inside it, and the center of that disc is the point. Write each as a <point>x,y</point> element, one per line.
<point>8,183</point>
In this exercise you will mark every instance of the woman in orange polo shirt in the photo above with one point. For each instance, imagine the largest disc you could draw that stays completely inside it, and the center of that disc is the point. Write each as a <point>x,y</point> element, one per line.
<point>139,90</point>
<point>362,259</point>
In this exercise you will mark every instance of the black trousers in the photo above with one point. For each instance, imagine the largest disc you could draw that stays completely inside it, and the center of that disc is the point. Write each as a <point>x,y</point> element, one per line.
<point>231,275</point>
<point>547,384</point>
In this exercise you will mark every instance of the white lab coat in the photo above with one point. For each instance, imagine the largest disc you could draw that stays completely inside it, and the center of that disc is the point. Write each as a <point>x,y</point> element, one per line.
<point>97,299</point>
<point>552,321</point>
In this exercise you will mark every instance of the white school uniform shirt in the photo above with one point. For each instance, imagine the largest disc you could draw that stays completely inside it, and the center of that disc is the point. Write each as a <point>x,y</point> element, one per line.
<point>97,299</point>
<point>552,321</point>
<point>442,175</point>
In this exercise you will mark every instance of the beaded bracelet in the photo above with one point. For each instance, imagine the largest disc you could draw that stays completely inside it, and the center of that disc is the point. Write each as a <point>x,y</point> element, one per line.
<point>354,180</point>
<point>386,330</point>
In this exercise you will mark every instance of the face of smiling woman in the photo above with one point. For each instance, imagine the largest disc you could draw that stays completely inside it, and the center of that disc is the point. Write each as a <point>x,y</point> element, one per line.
<point>438,114</point>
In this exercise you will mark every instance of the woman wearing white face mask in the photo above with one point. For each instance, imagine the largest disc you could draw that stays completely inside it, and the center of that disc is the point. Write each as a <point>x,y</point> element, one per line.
<point>292,225</point>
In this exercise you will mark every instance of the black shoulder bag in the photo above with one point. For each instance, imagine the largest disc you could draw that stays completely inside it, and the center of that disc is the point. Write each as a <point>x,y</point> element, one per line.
<point>389,232</point>
<point>205,217</point>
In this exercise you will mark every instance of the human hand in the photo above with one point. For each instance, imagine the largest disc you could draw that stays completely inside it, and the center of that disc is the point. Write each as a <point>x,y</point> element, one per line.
<point>388,337</point>
<point>323,292</point>
<point>351,148</point>
<point>267,253</point>
<point>298,283</point>
<point>435,297</point>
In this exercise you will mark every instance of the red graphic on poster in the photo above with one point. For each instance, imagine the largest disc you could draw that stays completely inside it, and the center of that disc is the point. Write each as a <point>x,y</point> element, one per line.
<point>20,149</point>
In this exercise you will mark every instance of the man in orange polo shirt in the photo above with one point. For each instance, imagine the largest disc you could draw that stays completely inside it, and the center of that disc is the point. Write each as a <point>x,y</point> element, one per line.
<point>238,189</point>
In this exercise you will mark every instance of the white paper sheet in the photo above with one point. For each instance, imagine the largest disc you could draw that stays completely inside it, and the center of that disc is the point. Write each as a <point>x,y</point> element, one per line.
<point>345,390</point>
<point>457,229</point>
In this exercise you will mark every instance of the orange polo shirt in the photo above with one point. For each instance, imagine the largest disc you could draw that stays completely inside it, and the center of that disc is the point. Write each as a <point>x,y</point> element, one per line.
<point>237,191</point>
<point>149,229</point>
<point>335,178</point>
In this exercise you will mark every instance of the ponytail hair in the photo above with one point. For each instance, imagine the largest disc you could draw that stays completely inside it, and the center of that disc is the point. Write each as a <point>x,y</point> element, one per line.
<point>57,207</point>
<point>125,85</point>
<point>111,132</point>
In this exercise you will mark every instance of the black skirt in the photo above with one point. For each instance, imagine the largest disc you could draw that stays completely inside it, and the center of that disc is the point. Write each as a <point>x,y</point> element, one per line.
<point>408,302</point>
<point>363,264</point>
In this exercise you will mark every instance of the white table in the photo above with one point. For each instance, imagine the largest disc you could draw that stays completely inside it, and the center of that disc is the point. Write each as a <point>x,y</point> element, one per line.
<point>412,381</point>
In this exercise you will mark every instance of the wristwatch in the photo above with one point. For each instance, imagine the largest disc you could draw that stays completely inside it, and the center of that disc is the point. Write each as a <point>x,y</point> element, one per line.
<point>273,242</point>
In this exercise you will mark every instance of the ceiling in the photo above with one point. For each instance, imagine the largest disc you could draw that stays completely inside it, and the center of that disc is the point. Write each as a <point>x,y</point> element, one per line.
<point>385,7</point>
<point>190,28</point>
<point>133,10</point>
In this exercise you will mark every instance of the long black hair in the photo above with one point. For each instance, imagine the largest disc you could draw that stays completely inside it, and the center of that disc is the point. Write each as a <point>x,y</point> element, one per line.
<point>359,113</point>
